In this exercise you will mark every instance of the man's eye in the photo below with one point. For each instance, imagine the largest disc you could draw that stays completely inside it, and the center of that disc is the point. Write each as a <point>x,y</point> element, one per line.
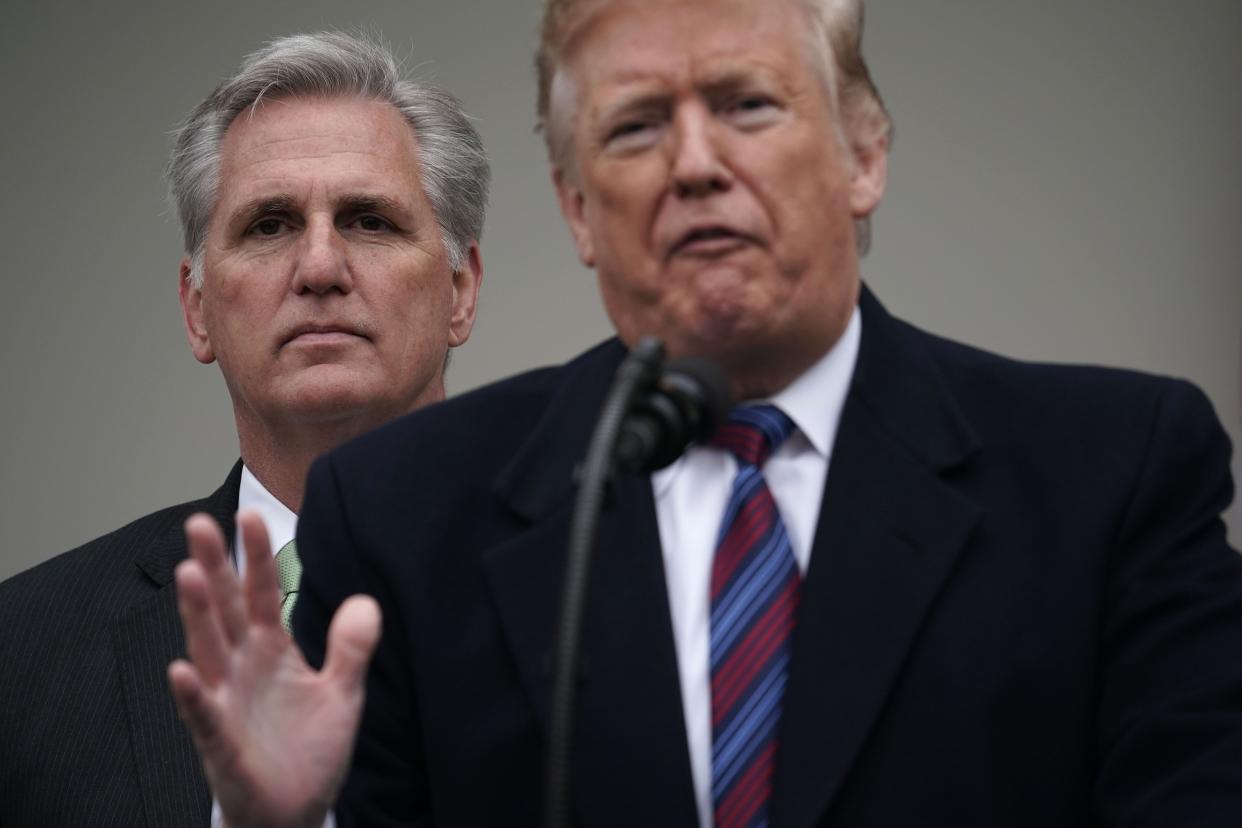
<point>751,110</point>
<point>628,128</point>
<point>751,103</point>
<point>372,224</point>
<point>632,135</point>
<point>267,227</point>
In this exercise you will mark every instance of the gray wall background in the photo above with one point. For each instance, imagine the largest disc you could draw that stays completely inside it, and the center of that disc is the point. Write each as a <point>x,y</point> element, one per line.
<point>1065,186</point>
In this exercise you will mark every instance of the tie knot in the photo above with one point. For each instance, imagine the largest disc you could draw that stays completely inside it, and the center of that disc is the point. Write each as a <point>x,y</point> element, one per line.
<point>753,432</point>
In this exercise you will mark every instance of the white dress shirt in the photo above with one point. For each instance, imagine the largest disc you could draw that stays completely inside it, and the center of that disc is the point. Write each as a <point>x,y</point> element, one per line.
<point>690,498</point>
<point>281,522</point>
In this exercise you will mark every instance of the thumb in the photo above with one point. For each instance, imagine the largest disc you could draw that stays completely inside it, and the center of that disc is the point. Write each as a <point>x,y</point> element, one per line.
<point>352,636</point>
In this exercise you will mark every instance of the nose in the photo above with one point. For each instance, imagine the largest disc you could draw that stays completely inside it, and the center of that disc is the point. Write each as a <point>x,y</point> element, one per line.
<point>322,264</point>
<point>698,168</point>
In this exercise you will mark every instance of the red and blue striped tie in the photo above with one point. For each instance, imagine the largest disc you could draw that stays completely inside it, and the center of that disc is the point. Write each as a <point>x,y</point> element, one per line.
<point>754,596</point>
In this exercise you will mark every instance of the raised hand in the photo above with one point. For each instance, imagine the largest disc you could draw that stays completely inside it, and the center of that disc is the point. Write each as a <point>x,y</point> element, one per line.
<point>274,735</point>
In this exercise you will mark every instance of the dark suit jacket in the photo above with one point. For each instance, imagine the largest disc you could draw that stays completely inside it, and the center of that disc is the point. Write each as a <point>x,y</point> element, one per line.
<point>89,733</point>
<point>1020,608</point>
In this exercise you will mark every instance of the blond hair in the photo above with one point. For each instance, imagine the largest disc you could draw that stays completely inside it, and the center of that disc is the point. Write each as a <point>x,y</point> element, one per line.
<point>838,25</point>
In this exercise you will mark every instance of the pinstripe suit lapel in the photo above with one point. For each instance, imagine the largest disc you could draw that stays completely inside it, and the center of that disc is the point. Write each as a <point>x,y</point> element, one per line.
<point>146,637</point>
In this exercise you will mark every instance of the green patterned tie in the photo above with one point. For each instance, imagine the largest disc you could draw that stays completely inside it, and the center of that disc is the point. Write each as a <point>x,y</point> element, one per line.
<point>289,570</point>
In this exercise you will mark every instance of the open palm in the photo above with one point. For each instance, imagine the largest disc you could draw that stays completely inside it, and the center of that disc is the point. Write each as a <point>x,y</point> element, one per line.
<point>274,735</point>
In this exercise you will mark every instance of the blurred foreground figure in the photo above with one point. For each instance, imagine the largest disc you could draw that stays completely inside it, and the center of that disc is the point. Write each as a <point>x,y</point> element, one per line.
<point>331,212</point>
<point>912,584</point>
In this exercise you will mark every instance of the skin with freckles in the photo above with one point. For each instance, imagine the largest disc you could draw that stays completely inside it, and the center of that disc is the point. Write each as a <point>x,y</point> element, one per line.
<point>327,295</point>
<point>709,186</point>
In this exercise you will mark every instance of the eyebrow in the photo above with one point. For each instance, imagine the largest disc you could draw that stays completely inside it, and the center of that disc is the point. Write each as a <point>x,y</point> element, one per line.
<point>370,204</point>
<point>255,209</point>
<point>731,79</point>
<point>720,80</point>
<point>627,104</point>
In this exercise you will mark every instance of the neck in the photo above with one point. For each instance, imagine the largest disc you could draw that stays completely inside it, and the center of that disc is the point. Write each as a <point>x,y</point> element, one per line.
<point>757,382</point>
<point>757,372</point>
<point>281,465</point>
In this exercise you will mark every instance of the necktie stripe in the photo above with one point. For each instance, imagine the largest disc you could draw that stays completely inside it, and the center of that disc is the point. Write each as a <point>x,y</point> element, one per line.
<point>733,648</point>
<point>754,591</point>
<point>753,652</point>
<point>745,565</point>
<point>757,585</point>
<point>750,524</point>
<point>741,803</point>
<point>746,486</point>
<point>764,553</point>
<point>754,721</point>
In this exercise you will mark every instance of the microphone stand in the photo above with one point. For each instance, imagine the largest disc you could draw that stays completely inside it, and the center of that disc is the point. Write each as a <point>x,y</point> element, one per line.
<point>639,371</point>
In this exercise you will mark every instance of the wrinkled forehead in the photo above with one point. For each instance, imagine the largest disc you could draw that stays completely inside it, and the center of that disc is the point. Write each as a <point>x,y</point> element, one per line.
<point>289,149</point>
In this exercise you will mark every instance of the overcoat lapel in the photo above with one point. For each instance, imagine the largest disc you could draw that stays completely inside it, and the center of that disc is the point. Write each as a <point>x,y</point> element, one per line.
<point>890,531</point>
<point>147,638</point>
<point>630,762</point>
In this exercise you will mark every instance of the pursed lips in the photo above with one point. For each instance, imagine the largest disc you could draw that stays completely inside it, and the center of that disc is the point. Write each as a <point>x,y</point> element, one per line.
<point>710,240</point>
<point>323,334</point>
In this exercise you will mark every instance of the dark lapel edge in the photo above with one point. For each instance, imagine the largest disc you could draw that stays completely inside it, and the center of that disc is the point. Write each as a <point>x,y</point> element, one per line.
<point>147,637</point>
<point>631,764</point>
<point>890,532</point>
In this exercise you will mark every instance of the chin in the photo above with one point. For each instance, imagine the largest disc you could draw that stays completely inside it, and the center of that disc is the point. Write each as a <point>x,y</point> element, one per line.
<point>723,328</point>
<point>332,401</point>
<point>329,412</point>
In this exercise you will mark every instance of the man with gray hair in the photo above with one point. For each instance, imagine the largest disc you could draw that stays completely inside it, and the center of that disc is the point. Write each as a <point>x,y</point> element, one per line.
<point>331,210</point>
<point>908,582</point>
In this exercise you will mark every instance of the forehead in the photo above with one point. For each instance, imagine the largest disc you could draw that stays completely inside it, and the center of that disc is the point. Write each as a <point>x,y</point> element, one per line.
<point>300,143</point>
<point>634,42</point>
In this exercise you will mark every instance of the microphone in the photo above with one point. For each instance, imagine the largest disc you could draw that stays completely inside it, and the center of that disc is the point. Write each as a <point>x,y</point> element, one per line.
<point>686,403</point>
<point>653,410</point>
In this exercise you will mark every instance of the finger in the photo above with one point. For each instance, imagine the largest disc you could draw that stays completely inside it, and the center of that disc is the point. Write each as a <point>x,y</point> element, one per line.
<point>187,692</point>
<point>204,637</point>
<point>209,548</point>
<point>262,585</point>
<point>199,714</point>
<point>352,636</point>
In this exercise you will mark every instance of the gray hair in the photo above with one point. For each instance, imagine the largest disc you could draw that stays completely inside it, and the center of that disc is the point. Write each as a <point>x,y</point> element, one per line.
<point>835,33</point>
<point>454,167</point>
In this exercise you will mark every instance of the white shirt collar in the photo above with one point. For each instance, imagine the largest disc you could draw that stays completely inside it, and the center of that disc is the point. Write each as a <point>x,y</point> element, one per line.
<point>813,401</point>
<point>281,523</point>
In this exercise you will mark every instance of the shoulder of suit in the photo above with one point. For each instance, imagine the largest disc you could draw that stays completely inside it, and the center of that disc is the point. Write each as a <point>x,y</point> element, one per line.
<point>109,556</point>
<point>1097,402</point>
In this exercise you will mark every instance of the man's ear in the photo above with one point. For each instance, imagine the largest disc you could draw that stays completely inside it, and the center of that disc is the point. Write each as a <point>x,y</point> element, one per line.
<point>870,174</point>
<point>573,208</point>
<point>466,283</point>
<point>192,316</point>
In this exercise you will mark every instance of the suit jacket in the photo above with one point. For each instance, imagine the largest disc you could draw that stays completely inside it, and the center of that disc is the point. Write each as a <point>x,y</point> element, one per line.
<point>1020,607</point>
<point>89,733</point>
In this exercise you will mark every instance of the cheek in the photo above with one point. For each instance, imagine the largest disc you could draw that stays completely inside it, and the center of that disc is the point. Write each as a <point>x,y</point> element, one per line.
<point>811,212</point>
<point>416,311</point>
<point>623,206</point>
<point>236,289</point>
